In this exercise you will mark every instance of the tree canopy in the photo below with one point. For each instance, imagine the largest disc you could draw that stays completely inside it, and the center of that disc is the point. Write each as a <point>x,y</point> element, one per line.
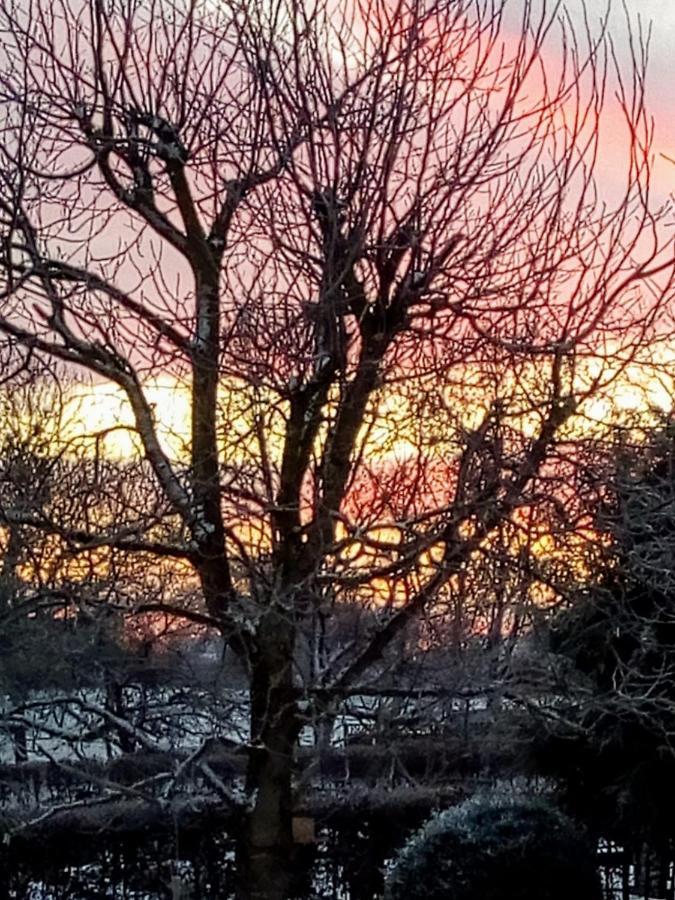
<point>369,246</point>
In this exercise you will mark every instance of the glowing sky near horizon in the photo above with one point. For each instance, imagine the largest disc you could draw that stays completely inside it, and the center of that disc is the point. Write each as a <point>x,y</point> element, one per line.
<point>104,407</point>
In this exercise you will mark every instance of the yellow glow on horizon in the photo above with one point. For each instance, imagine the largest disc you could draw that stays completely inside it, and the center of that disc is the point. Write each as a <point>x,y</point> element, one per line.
<point>99,419</point>
<point>631,395</point>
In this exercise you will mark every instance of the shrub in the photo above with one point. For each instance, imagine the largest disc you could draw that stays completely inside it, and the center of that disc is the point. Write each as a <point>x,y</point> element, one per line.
<point>496,849</point>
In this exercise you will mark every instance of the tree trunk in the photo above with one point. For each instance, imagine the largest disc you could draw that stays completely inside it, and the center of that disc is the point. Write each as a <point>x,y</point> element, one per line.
<point>265,863</point>
<point>19,735</point>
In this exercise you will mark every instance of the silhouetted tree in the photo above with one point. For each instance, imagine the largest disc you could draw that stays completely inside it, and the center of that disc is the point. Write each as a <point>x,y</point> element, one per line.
<point>366,242</point>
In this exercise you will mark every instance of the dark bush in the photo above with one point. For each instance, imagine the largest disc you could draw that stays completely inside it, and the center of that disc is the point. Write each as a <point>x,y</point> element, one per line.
<point>498,849</point>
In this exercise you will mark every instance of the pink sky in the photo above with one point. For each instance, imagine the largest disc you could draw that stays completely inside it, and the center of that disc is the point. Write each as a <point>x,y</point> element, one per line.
<point>660,15</point>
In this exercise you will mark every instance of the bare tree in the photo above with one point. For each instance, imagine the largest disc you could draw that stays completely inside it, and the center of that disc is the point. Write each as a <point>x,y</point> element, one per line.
<point>369,246</point>
<point>60,603</point>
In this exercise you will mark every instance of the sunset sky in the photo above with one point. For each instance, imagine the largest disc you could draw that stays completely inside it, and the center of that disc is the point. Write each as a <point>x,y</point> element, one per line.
<point>660,15</point>
<point>661,80</point>
<point>105,407</point>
